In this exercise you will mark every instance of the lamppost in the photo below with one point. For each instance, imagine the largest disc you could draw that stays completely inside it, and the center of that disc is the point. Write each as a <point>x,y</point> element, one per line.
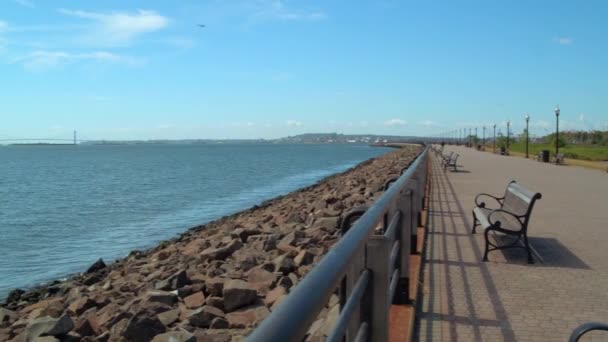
<point>508,124</point>
<point>527,134</point>
<point>494,143</point>
<point>556,132</point>
<point>483,141</point>
<point>470,138</point>
<point>475,139</point>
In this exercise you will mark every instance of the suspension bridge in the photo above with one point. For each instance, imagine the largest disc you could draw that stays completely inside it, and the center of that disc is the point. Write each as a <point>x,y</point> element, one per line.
<point>4,140</point>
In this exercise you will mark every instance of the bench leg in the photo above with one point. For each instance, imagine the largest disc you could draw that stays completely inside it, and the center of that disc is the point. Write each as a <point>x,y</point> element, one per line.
<point>475,223</point>
<point>528,249</point>
<point>485,253</point>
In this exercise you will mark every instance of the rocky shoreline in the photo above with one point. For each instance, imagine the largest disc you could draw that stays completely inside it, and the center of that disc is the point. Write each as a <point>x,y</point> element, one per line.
<point>212,283</point>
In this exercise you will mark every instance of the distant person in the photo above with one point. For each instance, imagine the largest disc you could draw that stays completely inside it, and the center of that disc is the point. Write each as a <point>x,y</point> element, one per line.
<point>442,143</point>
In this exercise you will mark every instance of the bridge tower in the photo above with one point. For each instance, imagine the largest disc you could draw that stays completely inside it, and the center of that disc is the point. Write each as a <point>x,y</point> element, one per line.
<point>75,139</point>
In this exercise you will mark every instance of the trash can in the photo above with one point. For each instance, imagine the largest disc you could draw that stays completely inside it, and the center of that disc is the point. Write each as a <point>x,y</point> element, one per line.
<point>503,151</point>
<point>545,156</point>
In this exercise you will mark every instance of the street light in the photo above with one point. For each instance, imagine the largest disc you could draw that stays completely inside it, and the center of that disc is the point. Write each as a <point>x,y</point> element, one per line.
<point>494,143</point>
<point>483,141</point>
<point>475,136</point>
<point>508,124</point>
<point>527,134</point>
<point>556,132</point>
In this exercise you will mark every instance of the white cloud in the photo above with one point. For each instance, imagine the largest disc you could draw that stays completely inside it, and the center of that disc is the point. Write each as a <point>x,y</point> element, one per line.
<point>395,122</point>
<point>25,3</point>
<point>293,123</point>
<point>119,28</point>
<point>563,40</point>
<point>278,10</point>
<point>242,124</point>
<point>43,60</point>
<point>428,123</point>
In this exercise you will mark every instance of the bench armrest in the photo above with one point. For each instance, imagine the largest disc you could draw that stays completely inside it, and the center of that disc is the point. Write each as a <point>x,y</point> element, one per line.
<point>482,204</point>
<point>493,222</point>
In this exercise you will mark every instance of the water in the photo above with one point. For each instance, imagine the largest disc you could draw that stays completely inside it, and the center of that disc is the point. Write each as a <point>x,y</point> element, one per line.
<point>62,207</point>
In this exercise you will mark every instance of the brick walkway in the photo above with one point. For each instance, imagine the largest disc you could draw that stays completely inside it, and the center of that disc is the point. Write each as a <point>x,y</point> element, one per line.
<point>506,299</point>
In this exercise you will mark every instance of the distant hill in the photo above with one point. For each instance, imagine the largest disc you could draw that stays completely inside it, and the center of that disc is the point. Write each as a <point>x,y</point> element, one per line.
<point>308,138</point>
<point>344,138</point>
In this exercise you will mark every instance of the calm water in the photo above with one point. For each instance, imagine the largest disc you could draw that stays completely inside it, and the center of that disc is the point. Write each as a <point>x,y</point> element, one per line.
<point>62,207</point>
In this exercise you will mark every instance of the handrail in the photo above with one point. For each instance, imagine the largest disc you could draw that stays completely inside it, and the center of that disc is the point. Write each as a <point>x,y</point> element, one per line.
<point>291,320</point>
<point>585,328</point>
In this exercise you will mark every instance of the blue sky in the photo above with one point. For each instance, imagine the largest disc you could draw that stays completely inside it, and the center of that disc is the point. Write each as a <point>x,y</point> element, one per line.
<point>265,69</point>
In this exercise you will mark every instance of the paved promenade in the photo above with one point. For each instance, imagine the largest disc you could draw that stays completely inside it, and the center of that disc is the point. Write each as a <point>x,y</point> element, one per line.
<point>506,299</point>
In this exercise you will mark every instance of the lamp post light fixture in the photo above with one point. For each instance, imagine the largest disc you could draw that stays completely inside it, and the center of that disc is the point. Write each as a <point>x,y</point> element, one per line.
<point>508,134</point>
<point>527,134</point>
<point>556,132</point>
<point>494,143</point>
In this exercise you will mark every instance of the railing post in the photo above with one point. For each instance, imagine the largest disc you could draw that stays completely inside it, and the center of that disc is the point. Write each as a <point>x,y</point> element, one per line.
<point>352,276</point>
<point>404,235</point>
<point>378,251</point>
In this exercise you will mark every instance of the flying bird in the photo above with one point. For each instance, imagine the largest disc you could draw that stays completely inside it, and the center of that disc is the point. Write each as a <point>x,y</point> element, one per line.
<point>201,25</point>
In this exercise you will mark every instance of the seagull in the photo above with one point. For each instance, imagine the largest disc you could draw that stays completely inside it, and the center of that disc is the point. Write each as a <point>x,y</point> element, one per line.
<point>201,25</point>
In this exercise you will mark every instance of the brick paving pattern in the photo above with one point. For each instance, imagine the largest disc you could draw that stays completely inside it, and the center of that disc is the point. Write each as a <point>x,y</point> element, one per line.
<point>505,299</point>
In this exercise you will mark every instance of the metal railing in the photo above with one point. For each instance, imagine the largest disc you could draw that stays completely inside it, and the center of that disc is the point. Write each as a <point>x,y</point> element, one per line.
<point>585,328</point>
<point>371,270</point>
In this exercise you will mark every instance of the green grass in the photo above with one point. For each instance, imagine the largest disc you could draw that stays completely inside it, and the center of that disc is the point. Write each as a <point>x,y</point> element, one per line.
<point>582,152</point>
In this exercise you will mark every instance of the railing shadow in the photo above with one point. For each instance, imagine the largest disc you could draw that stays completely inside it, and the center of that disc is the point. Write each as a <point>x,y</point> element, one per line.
<point>448,232</point>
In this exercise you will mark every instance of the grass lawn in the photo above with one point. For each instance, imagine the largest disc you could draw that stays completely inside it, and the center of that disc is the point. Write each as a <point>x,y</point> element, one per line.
<point>581,152</point>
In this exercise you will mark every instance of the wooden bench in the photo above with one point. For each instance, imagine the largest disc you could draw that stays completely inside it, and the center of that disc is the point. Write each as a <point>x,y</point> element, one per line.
<point>558,158</point>
<point>509,217</point>
<point>451,162</point>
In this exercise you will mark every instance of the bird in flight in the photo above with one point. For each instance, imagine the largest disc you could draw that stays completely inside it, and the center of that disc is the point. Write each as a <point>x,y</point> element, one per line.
<point>201,25</point>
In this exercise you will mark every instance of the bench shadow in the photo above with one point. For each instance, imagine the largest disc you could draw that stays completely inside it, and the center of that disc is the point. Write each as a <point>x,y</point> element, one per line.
<point>547,252</point>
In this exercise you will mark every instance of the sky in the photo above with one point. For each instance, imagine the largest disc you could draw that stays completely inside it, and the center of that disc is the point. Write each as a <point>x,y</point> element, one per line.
<point>270,68</point>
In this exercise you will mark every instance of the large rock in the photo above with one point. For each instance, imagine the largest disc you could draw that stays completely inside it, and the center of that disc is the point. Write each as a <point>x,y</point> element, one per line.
<point>213,336</point>
<point>223,252</point>
<point>274,295</point>
<point>7,316</point>
<point>203,317</point>
<point>168,317</point>
<point>97,266</point>
<point>260,275</point>
<point>215,286</point>
<point>14,296</point>
<point>87,326</point>
<point>175,336</point>
<point>174,282</point>
<point>247,317</point>
<point>142,327</point>
<point>288,242</point>
<point>303,258</point>
<point>238,293</point>
<point>164,297</point>
<point>284,264</point>
<point>49,326</point>
<point>81,305</point>
<point>195,300</point>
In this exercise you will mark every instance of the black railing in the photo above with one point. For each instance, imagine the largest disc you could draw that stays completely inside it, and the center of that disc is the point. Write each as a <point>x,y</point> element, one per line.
<point>371,270</point>
<point>585,328</point>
